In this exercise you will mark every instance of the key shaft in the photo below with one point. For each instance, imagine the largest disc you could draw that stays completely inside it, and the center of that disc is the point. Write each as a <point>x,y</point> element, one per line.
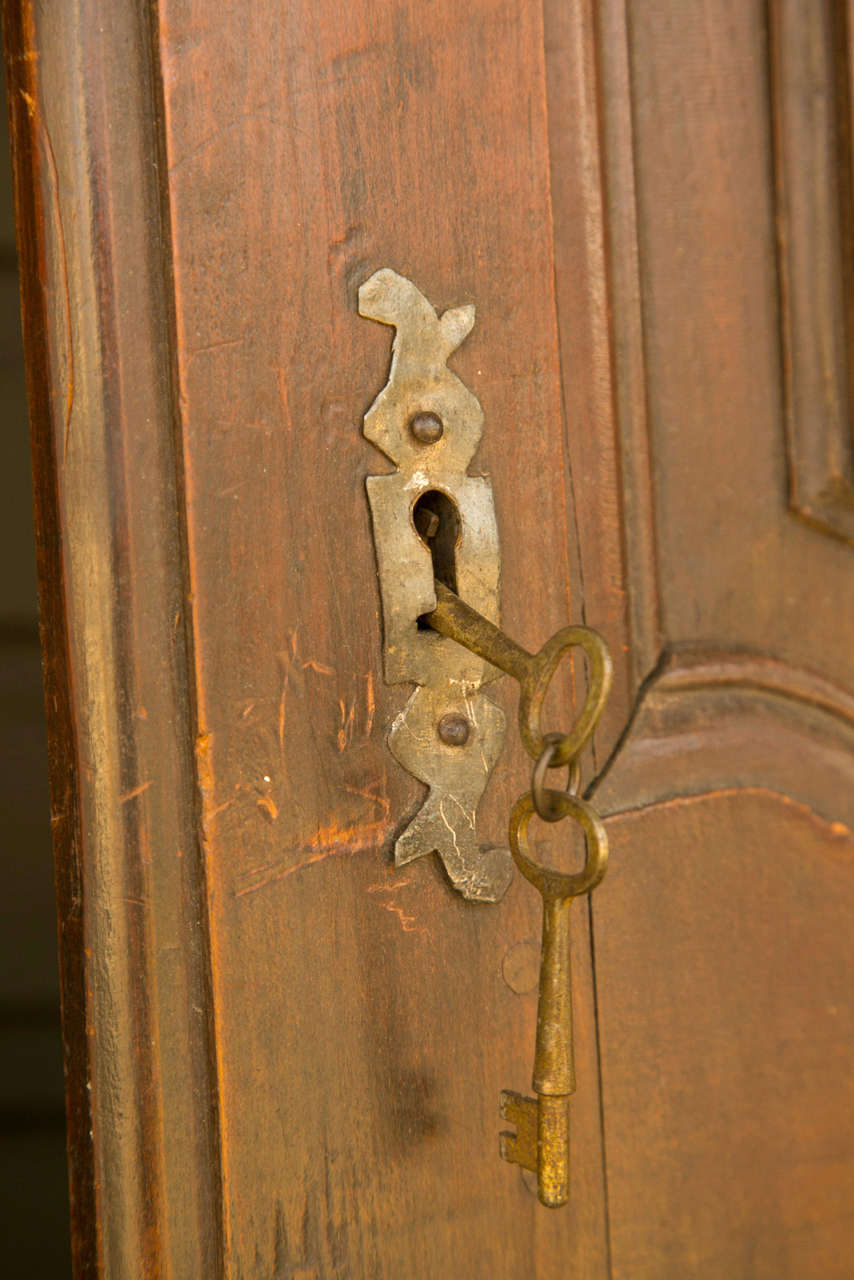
<point>554,1072</point>
<point>452,617</point>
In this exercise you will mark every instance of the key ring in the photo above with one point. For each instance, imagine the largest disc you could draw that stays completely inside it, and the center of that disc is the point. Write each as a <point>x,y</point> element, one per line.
<point>550,882</point>
<point>548,809</point>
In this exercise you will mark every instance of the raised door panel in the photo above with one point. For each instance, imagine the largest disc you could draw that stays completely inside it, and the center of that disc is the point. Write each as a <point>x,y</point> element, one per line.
<point>723,960</point>
<point>722,933</point>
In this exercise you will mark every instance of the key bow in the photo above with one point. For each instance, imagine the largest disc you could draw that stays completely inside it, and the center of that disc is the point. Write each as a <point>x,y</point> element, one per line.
<point>551,883</point>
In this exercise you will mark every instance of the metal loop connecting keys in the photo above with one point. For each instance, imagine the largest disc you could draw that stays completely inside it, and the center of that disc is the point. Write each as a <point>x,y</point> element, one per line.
<point>546,809</point>
<point>541,1140</point>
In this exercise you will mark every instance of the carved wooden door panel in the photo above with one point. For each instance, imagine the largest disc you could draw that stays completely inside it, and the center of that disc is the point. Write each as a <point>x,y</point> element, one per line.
<point>285,1055</point>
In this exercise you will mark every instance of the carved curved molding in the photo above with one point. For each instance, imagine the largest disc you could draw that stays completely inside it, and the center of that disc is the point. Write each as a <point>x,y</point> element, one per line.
<point>811,99</point>
<point>710,722</point>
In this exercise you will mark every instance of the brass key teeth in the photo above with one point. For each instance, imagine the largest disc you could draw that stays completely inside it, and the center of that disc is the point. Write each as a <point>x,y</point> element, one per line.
<point>540,1143</point>
<point>519,1147</point>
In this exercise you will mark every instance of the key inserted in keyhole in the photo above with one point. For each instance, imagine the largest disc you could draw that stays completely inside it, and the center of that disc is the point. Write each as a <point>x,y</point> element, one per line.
<point>437,523</point>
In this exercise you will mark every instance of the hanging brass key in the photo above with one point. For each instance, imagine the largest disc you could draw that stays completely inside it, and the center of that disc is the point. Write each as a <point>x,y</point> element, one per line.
<point>541,1141</point>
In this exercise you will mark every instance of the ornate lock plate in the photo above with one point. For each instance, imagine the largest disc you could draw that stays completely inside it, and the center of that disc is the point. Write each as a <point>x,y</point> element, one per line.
<point>449,734</point>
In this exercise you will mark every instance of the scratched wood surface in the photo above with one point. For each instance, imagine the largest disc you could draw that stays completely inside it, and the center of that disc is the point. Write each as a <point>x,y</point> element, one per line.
<point>284,1058</point>
<point>366,1019</point>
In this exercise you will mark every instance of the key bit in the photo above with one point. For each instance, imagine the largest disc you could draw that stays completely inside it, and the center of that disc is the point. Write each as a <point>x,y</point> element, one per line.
<point>540,1143</point>
<point>519,1147</point>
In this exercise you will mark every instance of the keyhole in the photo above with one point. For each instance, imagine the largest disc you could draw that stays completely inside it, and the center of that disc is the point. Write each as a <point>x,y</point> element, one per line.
<point>437,523</point>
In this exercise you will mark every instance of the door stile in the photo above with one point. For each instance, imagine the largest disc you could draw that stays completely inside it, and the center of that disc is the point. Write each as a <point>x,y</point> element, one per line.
<point>132,900</point>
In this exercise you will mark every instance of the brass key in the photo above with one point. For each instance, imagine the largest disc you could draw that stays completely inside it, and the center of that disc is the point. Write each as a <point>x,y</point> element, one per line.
<point>453,617</point>
<point>541,1141</point>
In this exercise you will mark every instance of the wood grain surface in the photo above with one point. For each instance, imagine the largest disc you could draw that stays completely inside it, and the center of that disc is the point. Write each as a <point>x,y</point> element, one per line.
<point>811,115</point>
<point>56,664</point>
<point>724,957</point>
<point>358,1109</point>
<point>284,1056</point>
<point>142,1127</point>
<point>735,565</point>
<point>722,940</point>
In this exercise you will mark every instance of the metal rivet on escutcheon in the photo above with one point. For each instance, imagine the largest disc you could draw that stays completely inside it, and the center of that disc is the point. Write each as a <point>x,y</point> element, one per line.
<point>427,428</point>
<point>453,730</point>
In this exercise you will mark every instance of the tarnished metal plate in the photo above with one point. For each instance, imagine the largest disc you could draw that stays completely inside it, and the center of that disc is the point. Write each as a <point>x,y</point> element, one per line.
<point>449,677</point>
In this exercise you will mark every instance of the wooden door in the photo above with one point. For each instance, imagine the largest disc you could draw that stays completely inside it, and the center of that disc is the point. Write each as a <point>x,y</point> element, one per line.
<point>284,1055</point>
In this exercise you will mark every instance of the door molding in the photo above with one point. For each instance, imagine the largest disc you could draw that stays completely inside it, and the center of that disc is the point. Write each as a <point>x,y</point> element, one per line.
<point>96,280</point>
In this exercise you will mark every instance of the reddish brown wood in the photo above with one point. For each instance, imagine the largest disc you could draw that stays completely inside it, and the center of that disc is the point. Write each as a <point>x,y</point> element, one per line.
<point>144,1158</point>
<point>722,971</point>
<point>414,138</point>
<point>36,302</point>
<point>736,568</point>
<point>601,382</point>
<point>708,721</point>
<point>724,957</point>
<point>295,1052</point>
<point>812,96</point>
